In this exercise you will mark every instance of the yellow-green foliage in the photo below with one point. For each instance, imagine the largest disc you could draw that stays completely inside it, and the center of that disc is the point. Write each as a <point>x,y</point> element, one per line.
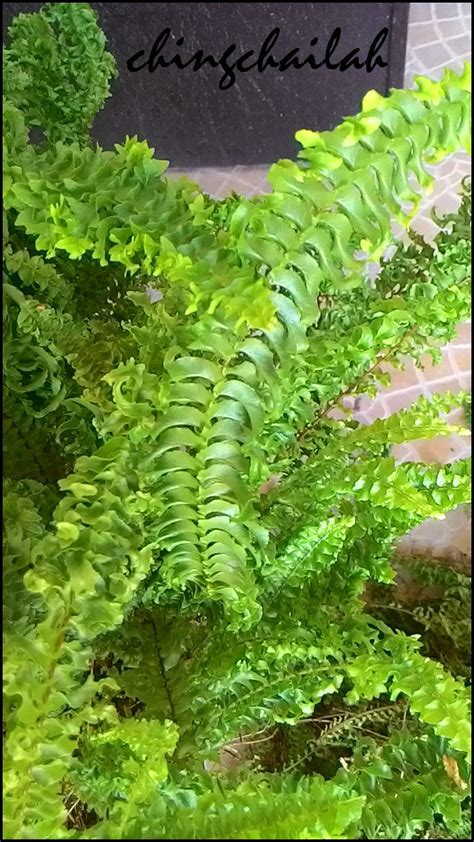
<point>185,524</point>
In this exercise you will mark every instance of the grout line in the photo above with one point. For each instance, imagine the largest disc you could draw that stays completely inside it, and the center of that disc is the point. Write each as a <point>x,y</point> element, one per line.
<point>437,43</point>
<point>428,383</point>
<point>430,21</point>
<point>464,347</point>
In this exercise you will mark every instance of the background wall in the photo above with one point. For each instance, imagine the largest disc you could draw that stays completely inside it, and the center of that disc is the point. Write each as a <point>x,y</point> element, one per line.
<point>191,121</point>
<point>439,36</point>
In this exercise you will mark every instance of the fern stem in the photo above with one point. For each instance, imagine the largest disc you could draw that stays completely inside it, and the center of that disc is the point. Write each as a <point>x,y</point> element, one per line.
<point>350,389</point>
<point>163,672</point>
<point>297,762</point>
<point>393,608</point>
<point>254,742</point>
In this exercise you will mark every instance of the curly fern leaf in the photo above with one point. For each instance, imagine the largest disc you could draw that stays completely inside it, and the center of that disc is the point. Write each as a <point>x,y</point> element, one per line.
<point>260,809</point>
<point>212,540</point>
<point>57,70</point>
<point>211,400</point>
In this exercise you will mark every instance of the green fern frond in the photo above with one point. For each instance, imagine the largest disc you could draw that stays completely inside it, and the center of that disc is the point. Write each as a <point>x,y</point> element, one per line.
<point>188,530</point>
<point>35,63</point>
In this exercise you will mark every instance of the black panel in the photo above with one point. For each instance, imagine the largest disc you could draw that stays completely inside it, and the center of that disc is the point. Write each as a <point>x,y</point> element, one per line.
<point>192,122</point>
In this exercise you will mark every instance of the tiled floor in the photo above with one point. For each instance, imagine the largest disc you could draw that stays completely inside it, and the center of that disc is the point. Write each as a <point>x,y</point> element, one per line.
<point>438,37</point>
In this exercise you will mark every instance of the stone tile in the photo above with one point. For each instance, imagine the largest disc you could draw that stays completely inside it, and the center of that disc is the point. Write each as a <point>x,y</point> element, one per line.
<point>446,10</point>
<point>441,449</point>
<point>438,371</point>
<point>424,532</point>
<point>402,378</point>
<point>462,44</point>
<point>244,180</point>
<point>426,228</point>
<point>246,188</point>
<point>463,334</point>
<point>444,539</point>
<point>336,414</point>
<point>226,189</point>
<point>425,33</point>
<point>465,450</point>
<point>433,55</point>
<point>452,29</point>
<point>457,416</point>
<point>450,384</point>
<point>461,358</point>
<point>378,409</point>
<point>401,400</point>
<point>209,179</point>
<point>404,453</point>
<point>250,175</point>
<point>419,12</point>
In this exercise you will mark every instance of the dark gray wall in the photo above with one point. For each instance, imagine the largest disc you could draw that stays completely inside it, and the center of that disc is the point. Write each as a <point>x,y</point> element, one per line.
<point>192,122</point>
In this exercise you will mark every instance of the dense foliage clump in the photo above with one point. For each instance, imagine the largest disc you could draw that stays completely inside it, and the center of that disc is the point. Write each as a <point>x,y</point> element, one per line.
<point>189,529</point>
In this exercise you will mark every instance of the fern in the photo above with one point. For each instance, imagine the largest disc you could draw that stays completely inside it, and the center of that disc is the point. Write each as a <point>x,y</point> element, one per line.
<point>188,530</point>
<point>440,605</point>
<point>34,66</point>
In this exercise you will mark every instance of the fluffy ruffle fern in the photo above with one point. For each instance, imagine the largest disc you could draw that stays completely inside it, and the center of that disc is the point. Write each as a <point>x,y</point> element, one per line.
<point>188,529</point>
